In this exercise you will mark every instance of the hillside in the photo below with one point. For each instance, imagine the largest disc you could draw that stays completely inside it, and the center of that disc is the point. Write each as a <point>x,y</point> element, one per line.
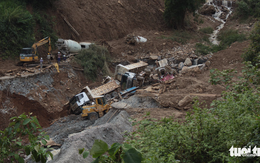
<point>46,92</point>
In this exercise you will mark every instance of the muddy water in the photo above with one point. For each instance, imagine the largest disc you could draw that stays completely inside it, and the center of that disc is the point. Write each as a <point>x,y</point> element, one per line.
<point>216,16</point>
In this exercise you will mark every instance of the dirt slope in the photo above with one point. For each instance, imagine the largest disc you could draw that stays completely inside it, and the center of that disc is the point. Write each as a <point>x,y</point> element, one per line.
<point>109,19</point>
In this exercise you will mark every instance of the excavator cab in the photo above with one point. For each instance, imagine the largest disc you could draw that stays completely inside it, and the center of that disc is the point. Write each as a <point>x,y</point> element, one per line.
<point>27,55</point>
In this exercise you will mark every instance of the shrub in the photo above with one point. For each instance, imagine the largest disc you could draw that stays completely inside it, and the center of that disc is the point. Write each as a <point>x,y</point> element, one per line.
<point>93,60</point>
<point>117,153</point>
<point>23,128</point>
<point>207,30</point>
<point>254,50</point>
<point>180,36</point>
<point>230,36</point>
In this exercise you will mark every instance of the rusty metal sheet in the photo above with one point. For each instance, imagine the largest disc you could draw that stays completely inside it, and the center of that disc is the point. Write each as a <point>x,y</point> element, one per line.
<point>106,88</point>
<point>136,65</point>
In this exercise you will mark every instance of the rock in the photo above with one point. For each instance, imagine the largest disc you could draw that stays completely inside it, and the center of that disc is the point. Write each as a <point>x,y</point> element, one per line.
<point>71,75</point>
<point>155,76</point>
<point>109,132</point>
<point>180,53</point>
<point>201,60</point>
<point>174,72</point>
<point>207,10</point>
<point>153,57</point>
<point>192,69</point>
<point>180,66</point>
<point>185,101</point>
<point>195,62</point>
<point>62,83</point>
<point>174,65</point>
<point>187,62</point>
<point>120,105</point>
<point>223,16</point>
<point>207,64</point>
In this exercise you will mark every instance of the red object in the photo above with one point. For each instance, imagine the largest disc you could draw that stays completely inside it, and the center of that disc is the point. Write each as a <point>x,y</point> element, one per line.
<point>167,77</point>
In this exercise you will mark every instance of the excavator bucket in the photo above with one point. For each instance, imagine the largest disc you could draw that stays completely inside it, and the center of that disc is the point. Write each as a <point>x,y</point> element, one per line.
<point>57,67</point>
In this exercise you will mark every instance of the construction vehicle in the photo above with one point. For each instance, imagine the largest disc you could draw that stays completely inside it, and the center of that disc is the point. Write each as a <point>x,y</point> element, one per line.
<point>71,47</point>
<point>134,68</point>
<point>77,101</point>
<point>109,90</point>
<point>97,109</point>
<point>29,55</point>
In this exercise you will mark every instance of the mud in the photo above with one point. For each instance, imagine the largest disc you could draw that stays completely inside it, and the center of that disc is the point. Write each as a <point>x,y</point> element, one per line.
<point>43,94</point>
<point>110,19</point>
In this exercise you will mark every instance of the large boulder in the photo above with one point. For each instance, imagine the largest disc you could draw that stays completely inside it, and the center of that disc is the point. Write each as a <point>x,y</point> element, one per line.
<point>109,132</point>
<point>187,62</point>
<point>207,10</point>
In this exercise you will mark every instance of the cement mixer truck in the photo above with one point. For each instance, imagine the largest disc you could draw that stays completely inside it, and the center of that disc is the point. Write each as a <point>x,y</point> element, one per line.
<point>71,47</point>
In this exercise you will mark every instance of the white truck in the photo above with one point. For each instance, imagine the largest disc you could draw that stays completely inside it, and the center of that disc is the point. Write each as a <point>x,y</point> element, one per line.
<point>134,68</point>
<point>77,101</point>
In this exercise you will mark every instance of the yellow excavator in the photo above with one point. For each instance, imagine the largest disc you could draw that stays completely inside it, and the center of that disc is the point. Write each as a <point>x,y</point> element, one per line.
<point>29,55</point>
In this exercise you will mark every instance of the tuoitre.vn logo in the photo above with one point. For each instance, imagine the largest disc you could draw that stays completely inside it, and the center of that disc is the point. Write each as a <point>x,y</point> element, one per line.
<point>245,152</point>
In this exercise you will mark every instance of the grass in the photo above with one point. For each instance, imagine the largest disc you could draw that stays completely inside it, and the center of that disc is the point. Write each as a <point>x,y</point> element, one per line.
<point>180,36</point>
<point>226,38</point>
<point>207,30</point>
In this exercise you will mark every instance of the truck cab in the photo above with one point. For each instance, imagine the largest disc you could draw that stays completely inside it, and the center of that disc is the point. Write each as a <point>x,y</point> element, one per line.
<point>77,101</point>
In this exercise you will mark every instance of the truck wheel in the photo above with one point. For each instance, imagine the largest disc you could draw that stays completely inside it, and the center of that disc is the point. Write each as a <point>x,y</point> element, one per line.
<point>114,94</point>
<point>93,116</point>
<point>108,97</point>
<point>77,111</point>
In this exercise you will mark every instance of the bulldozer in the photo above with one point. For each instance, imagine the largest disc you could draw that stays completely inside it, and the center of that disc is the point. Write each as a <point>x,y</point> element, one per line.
<point>97,109</point>
<point>30,56</point>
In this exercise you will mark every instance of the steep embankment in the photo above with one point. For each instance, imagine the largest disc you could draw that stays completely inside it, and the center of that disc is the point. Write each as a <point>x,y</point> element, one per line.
<point>44,94</point>
<point>108,20</point>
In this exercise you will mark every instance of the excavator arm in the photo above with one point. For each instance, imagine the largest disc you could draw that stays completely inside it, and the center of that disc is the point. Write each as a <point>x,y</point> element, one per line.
<point>40,43</point>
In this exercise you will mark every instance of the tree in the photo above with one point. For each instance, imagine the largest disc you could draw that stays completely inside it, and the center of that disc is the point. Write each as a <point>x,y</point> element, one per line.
<point>175,11</point>
<point>13,147</point>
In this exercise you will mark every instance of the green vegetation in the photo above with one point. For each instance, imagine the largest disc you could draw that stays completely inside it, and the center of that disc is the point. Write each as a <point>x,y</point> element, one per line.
<point>93,60</point>
<point>207,30</point>
<point>180,36</point>
<point>207,134</point>
<point>253,52</point>
<point>17,26</point>
<point>175,11</point>
<point>226,38</point>
<point>46,24</point>
<point>247,8</point>
<point>117,153</point>
<point>13,146</point>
